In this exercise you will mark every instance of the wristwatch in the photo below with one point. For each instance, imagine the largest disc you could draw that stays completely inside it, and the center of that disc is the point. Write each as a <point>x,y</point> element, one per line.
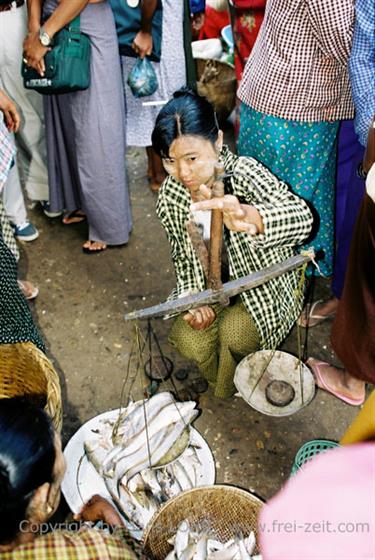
<point>44,38</point>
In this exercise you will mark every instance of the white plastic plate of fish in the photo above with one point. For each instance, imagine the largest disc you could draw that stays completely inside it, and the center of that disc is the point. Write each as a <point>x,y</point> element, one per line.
<point>138,458</point>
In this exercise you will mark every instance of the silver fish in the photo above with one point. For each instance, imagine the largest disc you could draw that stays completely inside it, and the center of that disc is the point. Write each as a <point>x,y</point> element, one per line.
<point>158,416</point>
<point>181,475</point>
<point>137,513</point>
<point>150,455</point>
<point>201,551</point>
<point>167,415</point>
<point>133,422</point>
<point>168,483</point>
<point>150,479</point>
<point>182,538</point>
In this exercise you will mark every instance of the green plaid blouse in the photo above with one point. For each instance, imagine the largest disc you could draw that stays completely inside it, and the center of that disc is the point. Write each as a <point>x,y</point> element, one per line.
<point>273,306</point>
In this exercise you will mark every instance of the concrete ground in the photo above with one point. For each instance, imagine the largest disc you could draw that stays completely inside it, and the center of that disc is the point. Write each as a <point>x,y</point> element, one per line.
<point>80,311</point>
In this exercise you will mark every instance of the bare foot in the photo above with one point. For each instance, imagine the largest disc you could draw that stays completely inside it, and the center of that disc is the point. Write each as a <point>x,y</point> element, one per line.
<point>155,186</point>
<point>337,381</point>
<point>28,289</point>
<point>91,247</point>
<point>317,312</point>
<point>75,217</point>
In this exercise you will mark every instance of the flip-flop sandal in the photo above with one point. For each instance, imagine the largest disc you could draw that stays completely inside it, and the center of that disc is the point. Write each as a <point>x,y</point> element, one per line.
<point>75,217</point>
<point>28,289</point>
<point>310,319</point>
<point>322,384</point>
<point>89,251</point>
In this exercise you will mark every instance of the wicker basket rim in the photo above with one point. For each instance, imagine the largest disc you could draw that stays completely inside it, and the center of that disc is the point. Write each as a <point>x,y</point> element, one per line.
<point>210,488</point>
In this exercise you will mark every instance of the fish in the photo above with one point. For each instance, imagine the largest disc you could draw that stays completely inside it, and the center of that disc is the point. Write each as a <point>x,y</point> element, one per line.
<point>130,456</point>
<point>189,461</point>
<point>169,414</point>
<point>201,550</point>
<point>182,537</point>
<point>132,422</point>
<point>137,513</point>
<point>150,479</point>
<point>168,483</point>
<point>149,455</point>
<point>194,545</point>
<point>181,475</point>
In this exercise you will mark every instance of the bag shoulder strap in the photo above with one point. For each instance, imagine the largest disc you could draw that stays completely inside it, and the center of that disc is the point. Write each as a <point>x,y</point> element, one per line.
<point>75,24</point>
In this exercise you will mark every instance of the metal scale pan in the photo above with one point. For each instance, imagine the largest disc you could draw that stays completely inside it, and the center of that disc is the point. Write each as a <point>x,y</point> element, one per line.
<point>256,372</point>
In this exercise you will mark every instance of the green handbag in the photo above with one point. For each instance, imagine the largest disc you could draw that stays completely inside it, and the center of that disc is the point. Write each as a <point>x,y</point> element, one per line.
<point>67,63</point>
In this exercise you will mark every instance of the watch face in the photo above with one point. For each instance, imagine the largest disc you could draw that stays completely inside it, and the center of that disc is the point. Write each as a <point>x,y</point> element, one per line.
<point>132,3</point>
<point>44,38</point>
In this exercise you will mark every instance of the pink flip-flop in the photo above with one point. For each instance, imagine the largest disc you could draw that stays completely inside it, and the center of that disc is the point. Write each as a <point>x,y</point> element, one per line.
<point>322,384</point>
<point>309,318</point>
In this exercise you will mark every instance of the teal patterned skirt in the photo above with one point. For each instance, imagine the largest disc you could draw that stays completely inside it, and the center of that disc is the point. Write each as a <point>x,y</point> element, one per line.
<point>304,156</point>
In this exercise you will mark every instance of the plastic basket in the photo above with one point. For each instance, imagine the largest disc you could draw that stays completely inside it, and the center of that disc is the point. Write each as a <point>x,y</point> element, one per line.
<point>223,511</point>
<point>26,371</point>
<point>309,450</point>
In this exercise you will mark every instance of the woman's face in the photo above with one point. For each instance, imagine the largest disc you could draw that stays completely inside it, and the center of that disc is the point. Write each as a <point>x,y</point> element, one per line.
<point>192,160</point>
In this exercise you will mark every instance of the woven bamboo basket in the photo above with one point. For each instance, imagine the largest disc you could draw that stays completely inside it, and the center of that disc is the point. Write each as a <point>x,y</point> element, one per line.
<point>216,81</point>
<point>220,510</point>
<point>26,371</point>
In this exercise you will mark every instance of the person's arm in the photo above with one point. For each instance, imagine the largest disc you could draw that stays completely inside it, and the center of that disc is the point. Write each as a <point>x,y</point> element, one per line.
<point>11,115</point>
<point>332,23</point>
<point>65,12</point>
<point>286,218</point>
<point>236,215</point>
<point>362,67</point>
<point>142,43</point>
<point>262,206</point>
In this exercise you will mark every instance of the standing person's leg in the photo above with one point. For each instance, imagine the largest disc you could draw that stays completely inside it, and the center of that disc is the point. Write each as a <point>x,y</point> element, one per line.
<point>13,200</point>
<point>350,189</point>
<point>155,169</point>
<point>12,195</point>
<point>86,140</point>
<point>30,138</point>
<point>304,156</point>
<point>238,337</point>
<point>349,195</point>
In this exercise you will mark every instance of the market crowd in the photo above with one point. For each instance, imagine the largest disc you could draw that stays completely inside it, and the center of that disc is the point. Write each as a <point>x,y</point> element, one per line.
<point>302,176</point>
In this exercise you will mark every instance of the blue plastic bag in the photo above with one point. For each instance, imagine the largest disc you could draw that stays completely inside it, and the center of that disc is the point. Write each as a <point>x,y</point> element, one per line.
<point>142,79</point>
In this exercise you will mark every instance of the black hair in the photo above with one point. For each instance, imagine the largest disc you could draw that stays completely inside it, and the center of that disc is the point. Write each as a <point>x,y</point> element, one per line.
<point>186,113</point>
<point>27,458</point>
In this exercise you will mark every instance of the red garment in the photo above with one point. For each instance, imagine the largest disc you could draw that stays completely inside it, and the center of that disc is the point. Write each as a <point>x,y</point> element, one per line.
<point>246,24</point>
<point>214,22</point>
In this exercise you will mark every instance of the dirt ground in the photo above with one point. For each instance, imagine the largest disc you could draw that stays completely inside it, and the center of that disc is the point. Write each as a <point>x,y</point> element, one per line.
<point>80,311</point>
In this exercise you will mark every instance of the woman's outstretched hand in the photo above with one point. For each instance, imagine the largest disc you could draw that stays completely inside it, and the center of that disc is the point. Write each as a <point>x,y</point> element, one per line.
<point>200,318</point>
<point>236,216</point>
